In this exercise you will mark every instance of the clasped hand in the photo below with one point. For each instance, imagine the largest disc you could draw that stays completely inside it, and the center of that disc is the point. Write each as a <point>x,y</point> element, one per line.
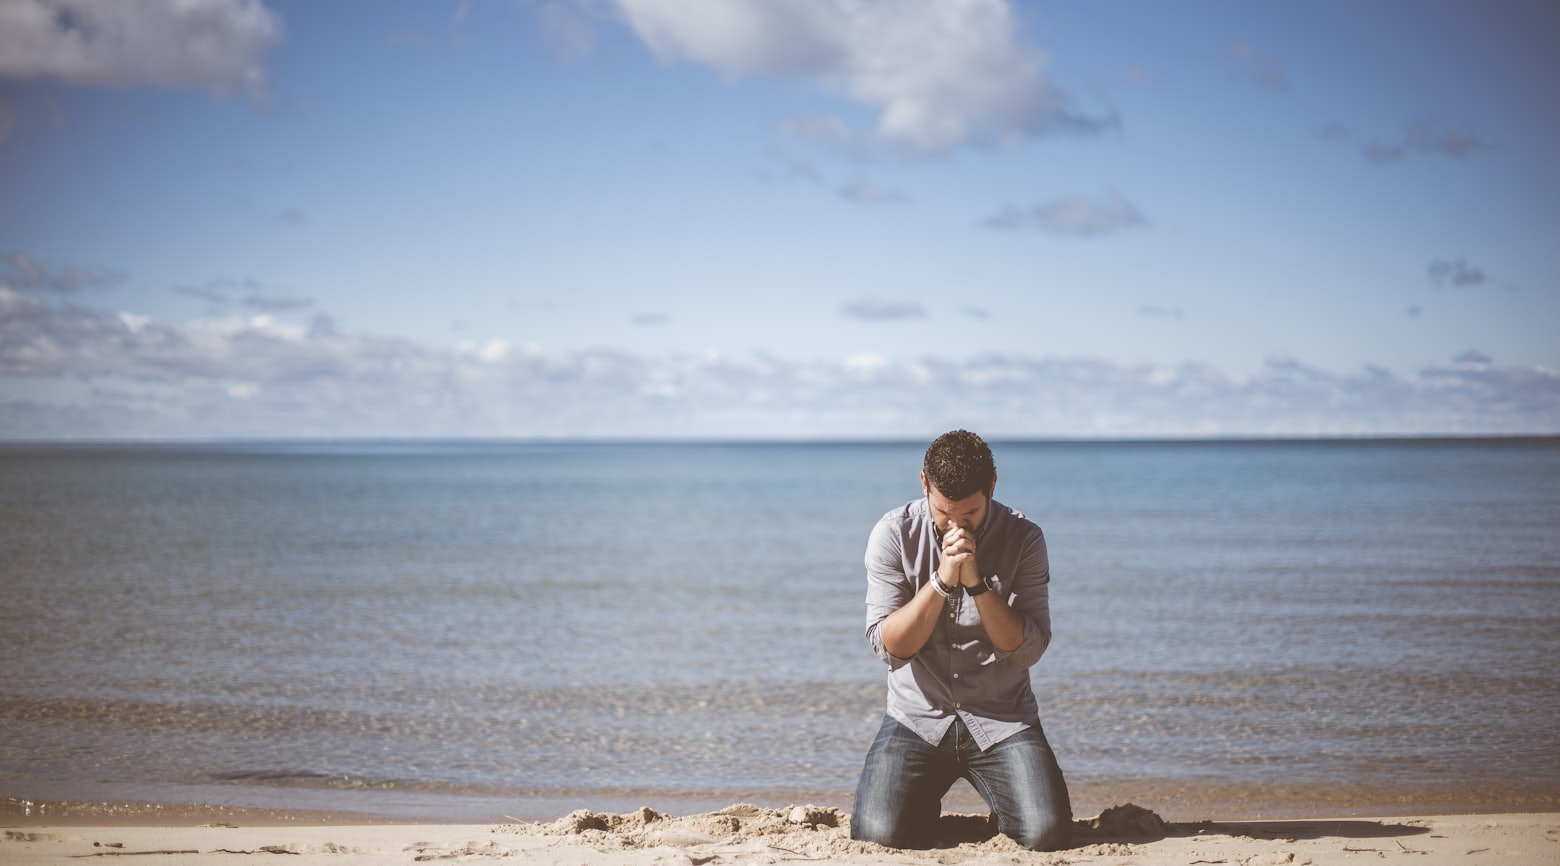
<point>958,558</point>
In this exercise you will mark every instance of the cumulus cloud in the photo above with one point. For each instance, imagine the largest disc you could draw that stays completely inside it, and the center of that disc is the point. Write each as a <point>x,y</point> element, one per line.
<point>1078,215</point>
<point>937,75</point>
<point>68,371</point>
<point>213,45</point>
<point>1426,138</point>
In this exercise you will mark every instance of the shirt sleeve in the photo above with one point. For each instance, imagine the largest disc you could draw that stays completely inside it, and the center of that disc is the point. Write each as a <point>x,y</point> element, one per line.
<point>888,587</point>
<point>1030,596</point>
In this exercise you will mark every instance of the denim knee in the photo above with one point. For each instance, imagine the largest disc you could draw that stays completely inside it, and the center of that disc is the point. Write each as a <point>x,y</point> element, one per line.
<point>1046,834</point>
<point>868,828</point>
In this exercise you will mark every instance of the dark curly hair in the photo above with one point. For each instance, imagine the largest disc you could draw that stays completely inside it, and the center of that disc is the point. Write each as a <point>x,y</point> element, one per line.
<point>958,464</point>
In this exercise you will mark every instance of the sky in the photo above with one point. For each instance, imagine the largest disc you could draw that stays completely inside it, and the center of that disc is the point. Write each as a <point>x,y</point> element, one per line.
<point>778,219</point>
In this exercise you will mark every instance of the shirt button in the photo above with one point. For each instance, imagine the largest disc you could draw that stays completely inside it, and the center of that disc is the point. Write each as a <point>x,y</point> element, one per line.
<point>955,676</point>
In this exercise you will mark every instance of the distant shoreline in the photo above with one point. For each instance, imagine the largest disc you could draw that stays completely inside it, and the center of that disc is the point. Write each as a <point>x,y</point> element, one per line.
<point>1175,800</point>
<point>490,443</point>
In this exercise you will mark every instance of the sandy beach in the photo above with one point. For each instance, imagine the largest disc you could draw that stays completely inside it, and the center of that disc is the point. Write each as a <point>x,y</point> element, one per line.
<point>748,834</point>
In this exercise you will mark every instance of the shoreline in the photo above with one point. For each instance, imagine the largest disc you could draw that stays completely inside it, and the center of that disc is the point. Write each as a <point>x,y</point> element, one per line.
<point>751,834</point>
<point>36,812</point>
<point>1182,801</point>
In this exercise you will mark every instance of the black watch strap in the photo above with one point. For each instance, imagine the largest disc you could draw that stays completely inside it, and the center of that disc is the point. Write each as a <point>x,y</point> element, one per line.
<point>983,586</point>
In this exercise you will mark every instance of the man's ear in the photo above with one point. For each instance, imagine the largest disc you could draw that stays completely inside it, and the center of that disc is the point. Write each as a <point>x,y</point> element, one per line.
<point>924,490</point>
<point>993,490</point>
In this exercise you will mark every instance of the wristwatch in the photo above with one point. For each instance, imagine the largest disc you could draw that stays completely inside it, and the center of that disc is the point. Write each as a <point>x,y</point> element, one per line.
<point>985,586</point>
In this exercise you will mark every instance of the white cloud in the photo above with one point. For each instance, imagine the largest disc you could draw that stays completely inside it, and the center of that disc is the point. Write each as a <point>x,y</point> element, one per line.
<point>214,45</point>
<point>494,351</point>
<point>243,390</point>
<point>134,322</point>
<point>744,37</point>
<point>67,371</point>
<point>1078,215</point>
<point>938,74</point>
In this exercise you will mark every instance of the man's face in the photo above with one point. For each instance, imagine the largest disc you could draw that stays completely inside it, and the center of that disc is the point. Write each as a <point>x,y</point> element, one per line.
<point>968,513</point>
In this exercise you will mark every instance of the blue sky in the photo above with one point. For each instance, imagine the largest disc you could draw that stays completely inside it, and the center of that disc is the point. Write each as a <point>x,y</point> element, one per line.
<point>777,218</point>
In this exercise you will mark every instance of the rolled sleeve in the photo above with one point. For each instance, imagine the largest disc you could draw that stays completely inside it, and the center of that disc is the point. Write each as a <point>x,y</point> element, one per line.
<point>888,588</point>
<point>1030,596</point>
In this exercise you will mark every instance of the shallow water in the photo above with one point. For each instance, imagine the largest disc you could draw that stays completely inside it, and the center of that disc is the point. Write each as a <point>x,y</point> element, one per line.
<point>464,631</point>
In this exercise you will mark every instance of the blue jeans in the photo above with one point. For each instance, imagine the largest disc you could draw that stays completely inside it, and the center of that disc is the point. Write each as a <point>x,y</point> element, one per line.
<point>902,785</point>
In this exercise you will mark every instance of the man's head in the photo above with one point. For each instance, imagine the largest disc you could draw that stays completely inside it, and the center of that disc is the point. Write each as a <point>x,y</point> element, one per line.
<point>958,476</point>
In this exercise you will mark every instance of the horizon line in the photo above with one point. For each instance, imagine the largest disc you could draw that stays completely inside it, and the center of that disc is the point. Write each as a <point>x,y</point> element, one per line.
<point>503,441</point>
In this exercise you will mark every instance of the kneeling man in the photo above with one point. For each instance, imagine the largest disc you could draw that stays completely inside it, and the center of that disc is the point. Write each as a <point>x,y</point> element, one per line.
<point>958,607</point>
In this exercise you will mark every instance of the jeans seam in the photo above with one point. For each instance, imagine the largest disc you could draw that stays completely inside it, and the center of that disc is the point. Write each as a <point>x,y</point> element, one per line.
<point>982,788</point>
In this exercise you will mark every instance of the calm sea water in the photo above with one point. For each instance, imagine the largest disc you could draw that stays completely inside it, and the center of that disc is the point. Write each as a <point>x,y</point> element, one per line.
<point>463,632</point>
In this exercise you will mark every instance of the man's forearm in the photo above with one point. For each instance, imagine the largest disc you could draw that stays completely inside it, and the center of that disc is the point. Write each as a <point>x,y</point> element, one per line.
<point>1004,625</point>
<point>908,629</point>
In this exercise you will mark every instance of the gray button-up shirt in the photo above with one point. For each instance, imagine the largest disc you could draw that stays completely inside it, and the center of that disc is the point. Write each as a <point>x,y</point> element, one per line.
<point>959,671</point>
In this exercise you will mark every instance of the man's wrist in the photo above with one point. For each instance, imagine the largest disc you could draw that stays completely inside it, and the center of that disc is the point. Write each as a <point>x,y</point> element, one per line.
<point>943,589</point>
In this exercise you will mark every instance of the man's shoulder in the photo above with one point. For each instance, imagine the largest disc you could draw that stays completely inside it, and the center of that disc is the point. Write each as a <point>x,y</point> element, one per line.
<point>902,521</point>
<point>913,510</point>
<point>1010,520</point>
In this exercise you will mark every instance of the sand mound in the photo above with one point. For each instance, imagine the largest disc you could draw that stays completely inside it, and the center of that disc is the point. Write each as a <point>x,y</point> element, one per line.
<point>1128,820</point>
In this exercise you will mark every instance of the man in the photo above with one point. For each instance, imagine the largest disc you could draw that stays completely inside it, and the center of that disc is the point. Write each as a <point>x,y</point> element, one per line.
<point>958,607</point>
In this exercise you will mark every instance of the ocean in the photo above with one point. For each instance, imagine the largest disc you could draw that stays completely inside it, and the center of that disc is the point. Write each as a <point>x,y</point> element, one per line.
<point>467,631</point>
